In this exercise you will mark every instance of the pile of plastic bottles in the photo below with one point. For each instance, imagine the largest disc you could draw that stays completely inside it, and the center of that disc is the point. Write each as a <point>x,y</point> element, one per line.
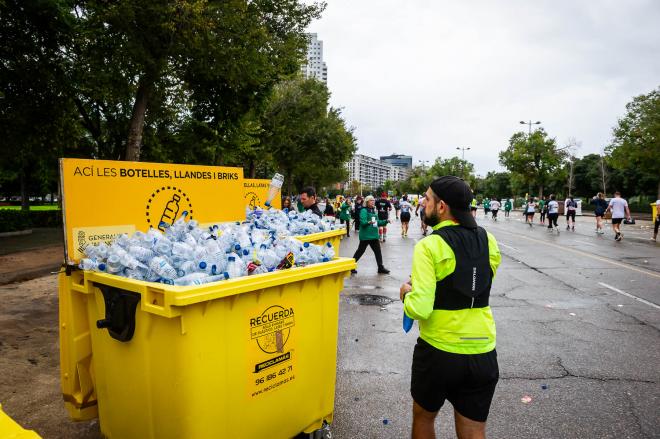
<point>189,255</point>
<point>290,223</point>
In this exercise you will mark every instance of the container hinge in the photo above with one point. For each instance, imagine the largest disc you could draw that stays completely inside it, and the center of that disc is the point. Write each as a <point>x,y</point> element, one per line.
<point>120,306</point>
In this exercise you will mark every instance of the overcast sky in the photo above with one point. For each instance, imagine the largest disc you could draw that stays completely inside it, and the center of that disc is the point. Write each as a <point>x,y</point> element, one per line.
<point>422,77</point>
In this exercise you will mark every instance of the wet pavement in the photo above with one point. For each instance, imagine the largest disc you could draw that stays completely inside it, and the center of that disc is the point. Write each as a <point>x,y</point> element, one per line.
<point>578,327</point>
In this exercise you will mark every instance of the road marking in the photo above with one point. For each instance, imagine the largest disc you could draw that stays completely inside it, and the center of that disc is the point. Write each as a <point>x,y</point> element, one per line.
<point>508,246</point>
<point>585,242</point>
<point>588,255</point>
<point>629,295</point>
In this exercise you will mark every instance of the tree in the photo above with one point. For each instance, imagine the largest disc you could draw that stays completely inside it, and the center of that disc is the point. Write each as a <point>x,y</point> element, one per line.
<point>216,60</point>
<point>308,140</point>
<point>37,119</point>
<point>532,158</point>
<point>497,184</point>
<point>635,143</point>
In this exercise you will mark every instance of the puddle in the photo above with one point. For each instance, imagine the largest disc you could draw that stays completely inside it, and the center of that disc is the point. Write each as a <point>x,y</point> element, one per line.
<point>363,287</point>
<point>368,299</point>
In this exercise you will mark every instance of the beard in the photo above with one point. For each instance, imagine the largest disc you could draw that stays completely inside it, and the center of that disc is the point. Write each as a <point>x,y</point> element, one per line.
<point>432,220</point>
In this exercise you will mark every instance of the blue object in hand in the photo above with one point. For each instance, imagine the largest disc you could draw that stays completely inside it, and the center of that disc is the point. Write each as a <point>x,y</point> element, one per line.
<point>407,322</point>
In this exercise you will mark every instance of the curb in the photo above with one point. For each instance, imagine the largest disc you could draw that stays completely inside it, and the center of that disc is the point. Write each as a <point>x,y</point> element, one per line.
<point>24,275</point>
<point>18,233</point>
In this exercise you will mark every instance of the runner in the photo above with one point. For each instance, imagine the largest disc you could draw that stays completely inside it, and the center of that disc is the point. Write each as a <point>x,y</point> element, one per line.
<point>406,208</point>
<point>495,207</point>
<point>656,225</point>
<point>359,205</point>
<point>397,207</point>
<point>619,208</point>
<point>543,210</point>
<point>421,205</point>
<point>452,273</point>
<point>473,208</point>
<point>345,215</point>
<point>530,209</point>
<point>571,207</point>
<point>507,207</point>
<point>369,224</point>
<point>486,206</point>
<point>329,210</point>
<point>553,214</point>
<point>383,207</point>
<point>599,211</point>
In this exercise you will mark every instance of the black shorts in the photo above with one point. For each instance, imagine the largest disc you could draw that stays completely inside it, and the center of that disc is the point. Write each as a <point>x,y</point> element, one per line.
<point>599,214</point>
<point>494,213</point>
<point>570,214</point>
<point>383,216</point>
<point>530,214</point>
<point>467,381</point>
<point>617,220</point>
<point>405,217</point>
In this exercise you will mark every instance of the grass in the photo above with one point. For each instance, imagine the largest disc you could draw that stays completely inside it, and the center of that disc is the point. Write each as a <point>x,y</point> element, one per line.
<point>44,207</point>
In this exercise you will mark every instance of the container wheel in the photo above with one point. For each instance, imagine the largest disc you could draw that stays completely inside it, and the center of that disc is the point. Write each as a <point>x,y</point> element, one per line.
<point>322,433</point>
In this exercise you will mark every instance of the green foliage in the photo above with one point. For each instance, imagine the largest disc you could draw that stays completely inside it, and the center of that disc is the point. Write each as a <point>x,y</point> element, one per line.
<point>421,177</point>
<point>14,220</point>
<point>635,147</point>
<point>497,185</point>
<point>532,159</point>
<point>307,140</point>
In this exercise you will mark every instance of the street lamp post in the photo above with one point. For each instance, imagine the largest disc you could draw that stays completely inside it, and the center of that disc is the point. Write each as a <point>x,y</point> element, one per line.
<point>530,123</point>
<point>463,160</point>
<point>529,140</point>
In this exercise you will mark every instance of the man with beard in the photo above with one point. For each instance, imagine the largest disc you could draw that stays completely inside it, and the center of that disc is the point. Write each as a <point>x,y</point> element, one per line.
<point>452,273</point>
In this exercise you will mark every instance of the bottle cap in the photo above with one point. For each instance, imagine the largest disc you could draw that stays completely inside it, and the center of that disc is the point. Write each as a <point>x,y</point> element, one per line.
<point>231,258</point>
<point>226,275</point>
<point>202,265</point>
<point>237,247</point>
<point>102,266</point>
<point>246,252</point>
<point>306,245</point>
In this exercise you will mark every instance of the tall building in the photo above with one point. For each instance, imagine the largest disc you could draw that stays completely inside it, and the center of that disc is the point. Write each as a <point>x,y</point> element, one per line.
<point>404,161</point>
<point>315,66</point>
<point>373,172</point>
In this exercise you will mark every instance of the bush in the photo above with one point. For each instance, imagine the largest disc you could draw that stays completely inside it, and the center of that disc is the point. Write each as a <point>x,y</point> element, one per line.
<point>14,220</point>
<point>46,218</point>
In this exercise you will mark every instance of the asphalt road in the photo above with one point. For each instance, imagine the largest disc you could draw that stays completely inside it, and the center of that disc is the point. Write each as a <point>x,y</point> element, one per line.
<point>578,327</point>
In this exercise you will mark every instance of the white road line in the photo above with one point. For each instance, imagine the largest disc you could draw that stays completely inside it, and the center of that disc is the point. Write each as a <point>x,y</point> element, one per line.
<point>629,295</point>
<point>508,246</point>
<point>585,242</point>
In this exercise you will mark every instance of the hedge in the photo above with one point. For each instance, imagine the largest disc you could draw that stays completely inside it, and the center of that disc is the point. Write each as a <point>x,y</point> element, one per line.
<point>15,220</point>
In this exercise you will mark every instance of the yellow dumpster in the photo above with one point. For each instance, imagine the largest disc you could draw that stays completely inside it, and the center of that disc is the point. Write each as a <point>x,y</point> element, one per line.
<point>250,357</point>
<point>9,429</point>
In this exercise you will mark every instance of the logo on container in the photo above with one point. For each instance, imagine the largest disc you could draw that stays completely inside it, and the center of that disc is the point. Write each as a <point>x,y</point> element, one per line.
<point>165,205</point>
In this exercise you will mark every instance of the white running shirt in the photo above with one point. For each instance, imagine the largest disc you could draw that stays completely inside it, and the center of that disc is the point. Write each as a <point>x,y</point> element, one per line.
<point>494,205</point>
<point>618,207</point>
<point>405,206</point>
<point>531,207</point>
<point>553,206</point>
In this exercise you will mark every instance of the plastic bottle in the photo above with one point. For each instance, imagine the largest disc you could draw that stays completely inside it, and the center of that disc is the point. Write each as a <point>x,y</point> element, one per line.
<point>189,278</point>
<point>274,187</point>
<point>140,253</point>
<point>163,268</point>
<point>91,264</point>
<point>113,264</point>
<point>328,251</point>
<point>268,258</point>
<point>163,246</point>
<point>235,267</point>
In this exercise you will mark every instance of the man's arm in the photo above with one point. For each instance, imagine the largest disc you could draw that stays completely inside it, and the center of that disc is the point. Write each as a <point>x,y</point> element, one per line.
<point>627,211</point>
<point>418,303</point>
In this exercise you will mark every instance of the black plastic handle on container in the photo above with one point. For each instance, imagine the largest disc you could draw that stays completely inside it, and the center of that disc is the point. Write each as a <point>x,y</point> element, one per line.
<point>120,307</point>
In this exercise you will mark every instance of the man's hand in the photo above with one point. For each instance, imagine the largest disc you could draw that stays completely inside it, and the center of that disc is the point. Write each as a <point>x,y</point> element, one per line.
<point>405,288</point>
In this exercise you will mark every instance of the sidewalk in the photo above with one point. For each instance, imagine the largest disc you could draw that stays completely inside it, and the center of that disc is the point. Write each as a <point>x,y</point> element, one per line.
<point>28,256</point>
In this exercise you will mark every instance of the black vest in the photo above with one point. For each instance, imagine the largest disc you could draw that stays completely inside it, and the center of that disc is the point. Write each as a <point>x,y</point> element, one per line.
<point>469,285</point>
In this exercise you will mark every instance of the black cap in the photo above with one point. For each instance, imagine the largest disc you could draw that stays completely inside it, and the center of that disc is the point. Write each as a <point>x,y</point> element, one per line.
<point>457,194</point>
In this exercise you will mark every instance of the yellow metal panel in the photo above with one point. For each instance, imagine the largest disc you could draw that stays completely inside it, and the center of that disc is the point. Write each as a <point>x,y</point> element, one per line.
<point>103,198</point>
<point>256,193</point>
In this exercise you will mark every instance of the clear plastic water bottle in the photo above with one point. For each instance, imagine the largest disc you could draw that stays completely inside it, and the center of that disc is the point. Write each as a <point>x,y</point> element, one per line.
<point>190,278</point>
<point>235,267</point>
<point>91,265</point>
<point>275,186</point>
<point>140,253</point>
<point>268,258</point>
<point>163,268</point>
<point>163,246</point>
<point>328,251</point>
<point>113,264</point>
